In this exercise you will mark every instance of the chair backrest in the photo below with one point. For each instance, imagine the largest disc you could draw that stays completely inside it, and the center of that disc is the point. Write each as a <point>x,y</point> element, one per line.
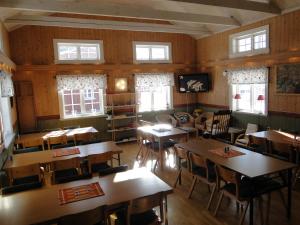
<point>66,164</point>
<point>61,139</point>
<point>33,143</point>
<point>166,118</point>
<point>147,203</point>
<point>228,176</point>
<point>251,128</point>
<point>26,171</point>
<point>83,137</point>
<point>220,122</point>
<point>99,158</point>
<point>91,217</point>
<point>184,118</point>
<point>278,147</point>
<point>26,150</point>
<point>182,154</point>
<point>197,160</point>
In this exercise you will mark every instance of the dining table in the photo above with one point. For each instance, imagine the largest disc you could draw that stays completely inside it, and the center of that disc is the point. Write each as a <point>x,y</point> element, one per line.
<point>163,133</point>
<point>42,206</point>
<point>47,156</point>
<point>35,139</point>
<point>249,163</point>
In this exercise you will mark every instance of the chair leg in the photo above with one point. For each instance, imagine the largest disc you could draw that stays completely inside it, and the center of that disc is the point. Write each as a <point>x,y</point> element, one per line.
<point>261,214</point>
<point>268,209</point>
<point>192,187</point>
<point>178,178</point>
<point>219,203</point>
<point>243,214</point>
<point>282,198</point>
<point>211,196</point>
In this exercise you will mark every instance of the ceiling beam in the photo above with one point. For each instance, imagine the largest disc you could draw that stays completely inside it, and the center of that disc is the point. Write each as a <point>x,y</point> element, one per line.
<point>103,24</point>
<point>94,7</point>
<point>238,4</point>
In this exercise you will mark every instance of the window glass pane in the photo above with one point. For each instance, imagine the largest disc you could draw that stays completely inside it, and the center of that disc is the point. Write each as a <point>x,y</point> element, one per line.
<point>159,53</point>
<point>160,100</point>
<point>260,41</point>
<point>142,53</point>
<point>145,101</point>
<point>67,52</point>
<point>68,110</point>
<point>244,44</point>
<point>244,103</point>
<point>88,52</point>
<point>259,105</point>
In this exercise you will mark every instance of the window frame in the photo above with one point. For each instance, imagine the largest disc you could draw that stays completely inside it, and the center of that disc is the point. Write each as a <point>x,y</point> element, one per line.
<point>151,44</point>
<point>233,42</point>
<point>152,101</point>
<point>232,100</point>
<point>63,116</point>
<point>100,52</point>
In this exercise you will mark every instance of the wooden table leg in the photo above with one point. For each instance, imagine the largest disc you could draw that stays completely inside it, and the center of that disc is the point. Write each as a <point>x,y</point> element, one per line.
<point>161,153</point>
<point>251,212</point>
<point>289,205</point>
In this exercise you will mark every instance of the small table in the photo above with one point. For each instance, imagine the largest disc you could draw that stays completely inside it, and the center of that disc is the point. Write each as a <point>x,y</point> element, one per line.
<point>234,132</point>
<point>43,206</point>
<point>163,136</point>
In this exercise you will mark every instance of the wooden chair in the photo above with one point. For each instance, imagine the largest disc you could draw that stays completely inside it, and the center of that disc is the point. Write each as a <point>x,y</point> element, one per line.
<point>141,210</point>
<point>166,118</point>
<point>243,139</point>
<point>71,127</point>
<point>98,162</point>
<point>151,150</point>
<point>26,150</point>
<point>182,162</point>
<point>34,143</point>
<point>236,188</point>
<point>186,122</point>
<point>24,178</point>
<point>57,140</point>
<point>258,144</point>
<point>66,170</point>
<point>219,125</point>
<point>91,217</point>
<point>202,170</point>
<point>283,151</point>
<point>83,138</point>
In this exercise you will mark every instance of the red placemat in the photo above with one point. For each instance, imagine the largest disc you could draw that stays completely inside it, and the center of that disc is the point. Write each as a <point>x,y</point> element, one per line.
<point>79,193</point>
<point>64,152</point>
<point>231,153</point>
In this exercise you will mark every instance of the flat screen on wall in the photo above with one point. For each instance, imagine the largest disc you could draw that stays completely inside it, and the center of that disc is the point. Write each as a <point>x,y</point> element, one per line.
<point>193,82</point>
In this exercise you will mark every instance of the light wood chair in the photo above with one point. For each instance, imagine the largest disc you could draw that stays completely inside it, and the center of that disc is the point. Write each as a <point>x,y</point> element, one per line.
<point>91,217</point>
<point>151,151</point>
<point>243,139</point>
<point>258,144</point>
<point>83,138</point>
<point>57,140</point>
<point>235,188</point>
<point>66,170</point>
<point>186,122</point>
<point>98,162</point>
<point>202,170</point>
<point>141,210</point>
<point>19,175</point>
<point>182,162</point>
<point>282,151</point>
<point>34,143</point>
<point>219,125</point>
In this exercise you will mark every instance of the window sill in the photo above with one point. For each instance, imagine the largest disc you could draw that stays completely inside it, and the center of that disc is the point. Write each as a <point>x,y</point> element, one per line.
<point>84,117</point>
<point>158,111</point>
<point>250,113</point>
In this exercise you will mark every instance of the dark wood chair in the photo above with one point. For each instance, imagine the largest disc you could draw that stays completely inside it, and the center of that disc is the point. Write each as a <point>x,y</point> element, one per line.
<point>182,163</point>
<point>283,151</point>
<point>258,144</point>
<point>203,170</point>
<point>83,138</point>
<point>98,162</point>
<point>219,125</point>
<point>66,170</point>
<point>26,150</point>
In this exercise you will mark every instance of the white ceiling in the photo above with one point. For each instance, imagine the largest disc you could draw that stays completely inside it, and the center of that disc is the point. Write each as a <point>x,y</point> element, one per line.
<point>11,10</point>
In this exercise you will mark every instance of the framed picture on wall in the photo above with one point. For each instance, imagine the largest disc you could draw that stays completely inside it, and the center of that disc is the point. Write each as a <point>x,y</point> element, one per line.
<point>288,79</point>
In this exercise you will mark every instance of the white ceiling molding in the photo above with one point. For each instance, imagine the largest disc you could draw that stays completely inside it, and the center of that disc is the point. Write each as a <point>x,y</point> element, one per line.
<point>118,10</point>
<point>238,4</point>
<point>103,24</point>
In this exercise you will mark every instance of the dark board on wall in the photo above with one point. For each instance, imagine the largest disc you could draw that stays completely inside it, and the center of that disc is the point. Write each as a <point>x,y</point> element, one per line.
<point>288,79</point>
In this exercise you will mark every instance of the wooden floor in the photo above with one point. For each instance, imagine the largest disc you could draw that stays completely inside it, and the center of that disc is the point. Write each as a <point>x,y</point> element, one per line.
<point>184,211</point>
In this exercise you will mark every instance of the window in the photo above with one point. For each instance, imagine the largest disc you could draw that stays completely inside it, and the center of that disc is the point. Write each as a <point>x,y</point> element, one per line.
<point>81,96</point>
<point>156,52</point>
<point>81,51</point>
<point>251,42</point>
<point>154,91</point>
<point>249,90</point>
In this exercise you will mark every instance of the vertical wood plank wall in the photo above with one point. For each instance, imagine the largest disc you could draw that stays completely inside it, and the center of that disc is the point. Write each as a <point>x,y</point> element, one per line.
<point>212,56</point>
<point>32,50</point>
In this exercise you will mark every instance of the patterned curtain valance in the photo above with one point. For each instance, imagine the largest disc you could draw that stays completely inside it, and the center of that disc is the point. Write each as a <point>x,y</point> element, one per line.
<point>152,81</point>
<point>69,82</point>
<point>7,86</point>
<point>248,76</point>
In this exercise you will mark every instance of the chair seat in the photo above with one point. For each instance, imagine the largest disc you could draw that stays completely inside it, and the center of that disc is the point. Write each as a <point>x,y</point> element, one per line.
<point>62,176</point>
<point>145,218</point>
<point>99,167</point>
<point>246,189</point>
<point>21,187</point>
<point>26,180</point>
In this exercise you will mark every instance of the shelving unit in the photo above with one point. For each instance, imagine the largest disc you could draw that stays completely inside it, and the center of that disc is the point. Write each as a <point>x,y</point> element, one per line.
<point>122,116</point>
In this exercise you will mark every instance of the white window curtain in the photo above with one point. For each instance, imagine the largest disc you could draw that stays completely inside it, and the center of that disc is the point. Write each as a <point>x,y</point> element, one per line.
<point>153,81</point>
<point>248,76</point>
<point>7,87</point>
<point>81,82</point>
